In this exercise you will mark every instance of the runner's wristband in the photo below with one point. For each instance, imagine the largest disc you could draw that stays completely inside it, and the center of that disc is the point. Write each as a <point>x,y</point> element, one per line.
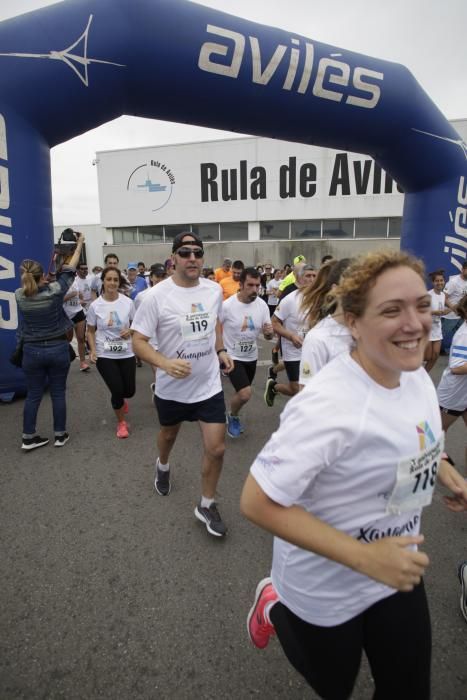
<point>221,350</point>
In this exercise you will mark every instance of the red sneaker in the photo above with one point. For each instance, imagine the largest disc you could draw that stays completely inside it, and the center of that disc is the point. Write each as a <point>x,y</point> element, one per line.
<point>259,627</point>
<point>122,430</point>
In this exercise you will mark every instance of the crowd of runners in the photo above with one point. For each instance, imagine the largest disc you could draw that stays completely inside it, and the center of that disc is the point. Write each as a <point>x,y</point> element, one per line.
<point>342,482</point>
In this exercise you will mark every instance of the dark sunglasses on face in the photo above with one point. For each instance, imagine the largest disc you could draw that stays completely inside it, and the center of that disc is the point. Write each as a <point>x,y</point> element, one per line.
<point>186,252</point>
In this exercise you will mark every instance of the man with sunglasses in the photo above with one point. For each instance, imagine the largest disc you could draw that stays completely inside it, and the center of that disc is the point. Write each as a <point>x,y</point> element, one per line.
<point>183,313</point>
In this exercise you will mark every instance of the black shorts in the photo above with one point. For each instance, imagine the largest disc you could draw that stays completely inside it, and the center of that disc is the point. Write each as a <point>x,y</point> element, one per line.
<point>292,368</point>
<point>77,318</point>
<point>242,374</point>
<point>211,410</point>
<point>452,411</point>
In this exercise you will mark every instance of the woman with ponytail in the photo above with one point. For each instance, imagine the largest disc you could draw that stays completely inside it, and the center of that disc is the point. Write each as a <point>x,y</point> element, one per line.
<point>43,331</point>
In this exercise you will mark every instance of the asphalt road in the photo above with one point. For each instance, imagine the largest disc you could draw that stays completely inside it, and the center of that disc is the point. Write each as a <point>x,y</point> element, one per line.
<point>110,591</point>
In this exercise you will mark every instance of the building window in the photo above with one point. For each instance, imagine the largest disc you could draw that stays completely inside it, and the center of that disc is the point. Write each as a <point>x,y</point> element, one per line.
<point>151,234</point>
<point>338,228</point>
<point>207,232</point>
<point>395,226</point>
<point>234,231</point>
<point>274,230</point>
<point>371,228</point>
<point>306,229</point>
<point>125,235</point>
<point>172,231</point>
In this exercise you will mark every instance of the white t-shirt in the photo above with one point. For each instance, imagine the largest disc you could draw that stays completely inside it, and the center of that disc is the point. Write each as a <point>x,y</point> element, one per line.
<point>293,320</point>
<point>137,302</point>
<point>183,321</point>
<point>271,290</point>
<point>456,287</point>
<point>438,302</point>
<point>452,389</point>
<point>242,323</point>
<point>337,454</point>
<point>109,318</point>
<point>84,288</point>
<point>322,343</point>
<point>72,306</point>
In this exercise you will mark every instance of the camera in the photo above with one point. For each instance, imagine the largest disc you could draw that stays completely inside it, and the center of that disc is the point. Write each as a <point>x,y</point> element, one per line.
<point>65,247</point>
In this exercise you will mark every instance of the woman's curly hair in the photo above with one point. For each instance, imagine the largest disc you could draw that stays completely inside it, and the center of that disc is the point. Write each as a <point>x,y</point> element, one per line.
<point>362,274</point>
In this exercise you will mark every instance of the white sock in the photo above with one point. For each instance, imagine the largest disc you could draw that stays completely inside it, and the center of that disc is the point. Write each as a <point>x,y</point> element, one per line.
<point>267,610</point>
<point>163,467</point>
<point>206,502</point>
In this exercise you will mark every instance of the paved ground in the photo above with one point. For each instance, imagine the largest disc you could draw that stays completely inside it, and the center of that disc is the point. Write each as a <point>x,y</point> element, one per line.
<point>109,591</point>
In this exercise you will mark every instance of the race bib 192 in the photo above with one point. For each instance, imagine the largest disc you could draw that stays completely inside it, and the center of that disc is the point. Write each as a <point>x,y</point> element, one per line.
<point>116,346</point>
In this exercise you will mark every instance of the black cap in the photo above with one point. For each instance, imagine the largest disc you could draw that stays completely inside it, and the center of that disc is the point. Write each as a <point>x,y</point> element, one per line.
<point>179,240</point>
<point>157,269</point>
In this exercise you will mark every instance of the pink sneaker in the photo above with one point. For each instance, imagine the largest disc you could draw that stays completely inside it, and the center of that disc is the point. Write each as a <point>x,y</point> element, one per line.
<point>259,628</point>
<point>125,406</point>
<point>122,430</point>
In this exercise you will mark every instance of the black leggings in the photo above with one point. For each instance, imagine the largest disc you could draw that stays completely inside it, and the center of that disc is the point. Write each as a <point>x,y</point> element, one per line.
<point>119,375</point>
<point>395,634</point>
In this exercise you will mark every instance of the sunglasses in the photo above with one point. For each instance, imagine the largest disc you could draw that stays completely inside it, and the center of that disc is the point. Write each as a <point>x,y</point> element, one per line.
<point>186,252</point>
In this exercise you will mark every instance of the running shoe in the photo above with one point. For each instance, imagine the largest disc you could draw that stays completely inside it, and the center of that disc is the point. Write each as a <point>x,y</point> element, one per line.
<point>272,374</point>
<point>32,443</point>
<point>126,408</point>
<point>258,626</point>
<point>234,427</point>
<point>162,480</point>
<point>61,440</point>
<point>84,367</point>
<point>462,572</point>
<point>212,519</point>
<point>270,392</point>
<point>275,356</point>
<point>122,429</point>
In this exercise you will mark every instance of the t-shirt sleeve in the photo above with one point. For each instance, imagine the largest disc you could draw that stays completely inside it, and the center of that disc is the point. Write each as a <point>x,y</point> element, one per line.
<point>147,317</point>
<point>91,315</point>
<point>314,357</point>
<point>132,311</point>
<point>282,310</point>
<point>458,355</point>
<point>312,435</point>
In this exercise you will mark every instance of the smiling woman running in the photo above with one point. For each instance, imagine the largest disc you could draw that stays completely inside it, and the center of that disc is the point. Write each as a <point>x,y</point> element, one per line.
<point>109,337</point>
<point>341,485</point>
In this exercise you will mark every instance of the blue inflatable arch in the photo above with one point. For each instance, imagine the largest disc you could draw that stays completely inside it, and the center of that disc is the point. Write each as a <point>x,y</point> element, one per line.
<point>70,67</point>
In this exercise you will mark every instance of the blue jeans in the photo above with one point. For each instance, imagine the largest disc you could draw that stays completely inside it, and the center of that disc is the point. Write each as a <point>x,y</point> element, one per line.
<point>46,362</point>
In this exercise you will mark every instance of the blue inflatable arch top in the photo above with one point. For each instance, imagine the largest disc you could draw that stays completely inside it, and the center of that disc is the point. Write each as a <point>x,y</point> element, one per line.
<point>70,67</point>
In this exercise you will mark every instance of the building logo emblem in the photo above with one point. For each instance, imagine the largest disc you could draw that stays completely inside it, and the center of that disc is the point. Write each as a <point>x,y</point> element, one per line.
<point>155,179</point>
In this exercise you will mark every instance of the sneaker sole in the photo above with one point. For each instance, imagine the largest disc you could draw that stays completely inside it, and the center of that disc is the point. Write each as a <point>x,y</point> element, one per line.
<point>202,519</point>
<point>28,448</point>
<point>265,395</point>
<point>259,589</point>
<point>463,599</point>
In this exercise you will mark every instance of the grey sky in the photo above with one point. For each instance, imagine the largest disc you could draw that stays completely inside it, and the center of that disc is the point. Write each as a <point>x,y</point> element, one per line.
<point>427,36</point>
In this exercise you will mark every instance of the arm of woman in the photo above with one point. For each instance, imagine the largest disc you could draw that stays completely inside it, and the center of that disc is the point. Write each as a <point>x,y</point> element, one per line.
<point>455,482</point>
<point>460,369</point>
<point>91,338</point>
<point>387,560</point>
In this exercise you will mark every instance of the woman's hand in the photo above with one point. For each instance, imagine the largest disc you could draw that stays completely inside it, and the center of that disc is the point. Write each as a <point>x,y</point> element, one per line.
<point>93,356</point>
<point>125,333</point>
<point>389,561</point>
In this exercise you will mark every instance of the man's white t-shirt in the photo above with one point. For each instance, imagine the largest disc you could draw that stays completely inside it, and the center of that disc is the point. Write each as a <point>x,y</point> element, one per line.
<point>271,290</point>
<point>84,288</point>
<point>438,302</point>
<point>109,318</point>
<point>452,389</point>
<point>183,322</point>
<point>242,323</point>
<point>455,288</point>
<point>137,302</point>
<point>340,447</point>
<point>322,344</point>
<point>72,306</point>
<point>293,320</point>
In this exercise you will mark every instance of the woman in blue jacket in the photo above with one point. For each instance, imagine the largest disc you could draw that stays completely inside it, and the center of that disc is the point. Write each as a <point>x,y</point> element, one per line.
<point>43,330</point>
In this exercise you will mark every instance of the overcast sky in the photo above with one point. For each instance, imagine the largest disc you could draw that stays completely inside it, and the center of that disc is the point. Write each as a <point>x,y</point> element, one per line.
<point>427,36</point>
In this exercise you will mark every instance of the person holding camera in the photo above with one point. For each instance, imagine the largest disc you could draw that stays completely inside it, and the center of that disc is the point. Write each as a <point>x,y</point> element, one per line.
<point>44,330</point>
